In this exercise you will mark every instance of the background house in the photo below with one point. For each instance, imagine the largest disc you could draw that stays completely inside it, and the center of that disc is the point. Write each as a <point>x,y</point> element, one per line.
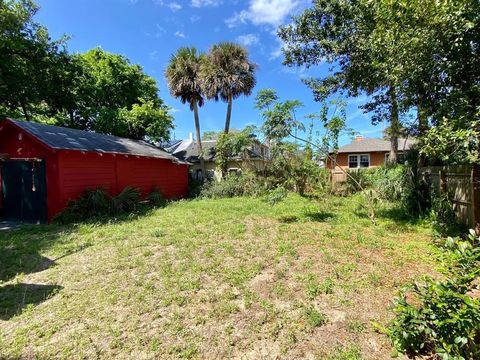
<point>43,167</point>
<point>188,151</point>
<point>366,153</point>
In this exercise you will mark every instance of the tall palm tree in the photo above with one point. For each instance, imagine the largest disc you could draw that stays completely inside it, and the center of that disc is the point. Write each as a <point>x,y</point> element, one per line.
<point>226,73</point>
<point>182,75</point>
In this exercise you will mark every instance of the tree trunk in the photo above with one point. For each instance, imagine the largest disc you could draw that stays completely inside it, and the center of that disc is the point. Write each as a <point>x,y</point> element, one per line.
<point>229,114</point>
<point>422,129</point>
<point>199,140</point>
<point>25,111</point>
<point>394,126</point>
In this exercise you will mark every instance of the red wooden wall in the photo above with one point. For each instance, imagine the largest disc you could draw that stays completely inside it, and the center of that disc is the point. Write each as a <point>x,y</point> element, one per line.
<point>69,173</point>
<point>80,171</point>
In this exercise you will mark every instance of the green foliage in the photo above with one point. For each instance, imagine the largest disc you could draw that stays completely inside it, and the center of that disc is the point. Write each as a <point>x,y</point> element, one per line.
<point>314,317</point>
<point>183,79</point>
<point>126,201</point>
<point>275,196</point>
<point>233,185</point>
<point>97,203</point>
<point>234,144</point>
<point>227,73</point>
<point>391,182</point>
<point>385,48</point>
<point>145,120</point>
<point>443,316</point>
<point>452,142</point>
<point>442,215</point>
<point>90,204</point>
<point>95,90</point>
<point>156,198</point>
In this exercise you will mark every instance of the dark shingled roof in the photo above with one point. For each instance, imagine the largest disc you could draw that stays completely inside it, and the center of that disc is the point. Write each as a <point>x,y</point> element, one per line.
<point>63,138</point>
<point>366,145</point>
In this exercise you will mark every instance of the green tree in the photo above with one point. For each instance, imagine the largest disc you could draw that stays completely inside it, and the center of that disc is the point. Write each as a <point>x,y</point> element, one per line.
<point>116,97</point>
<point>344,33</point>
<point>182,75</point>
<point>34,70</point>
<point>226,73</point>
<point>234,144</point>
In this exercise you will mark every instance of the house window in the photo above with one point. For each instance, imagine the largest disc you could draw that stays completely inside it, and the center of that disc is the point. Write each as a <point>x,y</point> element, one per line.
<point>353,161</point>
<point>358,161</point>
<point>365,161</point>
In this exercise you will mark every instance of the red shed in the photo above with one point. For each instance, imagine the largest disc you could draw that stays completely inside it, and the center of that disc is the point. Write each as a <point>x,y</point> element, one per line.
<point>43,167</point>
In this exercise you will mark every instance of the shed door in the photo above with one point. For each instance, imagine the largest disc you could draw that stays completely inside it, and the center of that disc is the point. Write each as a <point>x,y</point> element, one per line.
<point>24,189</point>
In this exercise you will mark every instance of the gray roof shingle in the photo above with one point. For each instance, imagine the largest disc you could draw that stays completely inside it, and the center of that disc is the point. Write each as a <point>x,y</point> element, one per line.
<point>63,138</point>
<point>371,145</point>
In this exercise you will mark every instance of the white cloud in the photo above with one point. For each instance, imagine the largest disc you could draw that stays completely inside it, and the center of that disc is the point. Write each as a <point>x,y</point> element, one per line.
<point>202,3</point>
<point>264,12</point>
<point>248,39</point>
<point>179,34</point>
<point>174,6</point>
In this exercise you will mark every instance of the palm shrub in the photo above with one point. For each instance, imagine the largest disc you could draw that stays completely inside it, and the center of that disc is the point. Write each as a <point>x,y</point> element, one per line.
<point>126,201</point>
<point>156,197</point>
<point>91,203</point>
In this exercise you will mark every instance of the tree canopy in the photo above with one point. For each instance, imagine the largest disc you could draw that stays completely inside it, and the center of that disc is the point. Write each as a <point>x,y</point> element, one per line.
<point>41,81</point>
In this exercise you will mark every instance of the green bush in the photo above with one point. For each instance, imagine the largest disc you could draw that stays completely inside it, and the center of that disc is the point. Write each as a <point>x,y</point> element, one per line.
<point>156,198</point>
<point>390,182</point>
<point>233,185</point>
<point>98,203</point>
<point>277,195</point>
<point>442,215</point>
<point>442,317</point>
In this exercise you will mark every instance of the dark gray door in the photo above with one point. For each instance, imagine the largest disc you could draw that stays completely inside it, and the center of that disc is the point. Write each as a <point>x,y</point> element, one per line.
<point>24,188</point>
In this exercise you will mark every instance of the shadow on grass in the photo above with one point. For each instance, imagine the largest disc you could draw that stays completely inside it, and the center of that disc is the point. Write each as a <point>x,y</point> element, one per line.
<point>21,249</point>
<point>15,297</point>
<point>318,216</point>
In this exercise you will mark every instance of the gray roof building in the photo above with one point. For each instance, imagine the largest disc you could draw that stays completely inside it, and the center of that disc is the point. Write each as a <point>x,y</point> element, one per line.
<point>57,137</point>
<point>365,145</point>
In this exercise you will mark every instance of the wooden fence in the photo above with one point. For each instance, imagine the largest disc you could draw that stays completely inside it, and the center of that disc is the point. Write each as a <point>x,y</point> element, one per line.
<point>461,182</point>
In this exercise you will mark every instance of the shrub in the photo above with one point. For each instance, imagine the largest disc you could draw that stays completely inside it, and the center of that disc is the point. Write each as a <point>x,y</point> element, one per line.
<point>98,203</point>
<point>390,182</point>
<point>442,317</point>
<point>91,203</point>
<point>126,201</point>
<point>442,215</point>
<point>156,198</point>
<point>234,185</point>
<point>277,195</point>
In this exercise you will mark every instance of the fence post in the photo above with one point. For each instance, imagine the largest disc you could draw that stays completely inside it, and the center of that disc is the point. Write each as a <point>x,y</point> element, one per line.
<point>476,197</point>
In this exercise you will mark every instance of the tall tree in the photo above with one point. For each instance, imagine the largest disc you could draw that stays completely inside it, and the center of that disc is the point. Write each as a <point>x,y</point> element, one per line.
<point>343,33</point>
<point>33,68</point>
<point>226,73</point>
<point>183,80</point>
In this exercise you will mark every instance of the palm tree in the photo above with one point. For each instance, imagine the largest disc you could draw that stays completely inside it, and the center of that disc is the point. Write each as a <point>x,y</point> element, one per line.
<point>182,75</point>
<point>226,73</point>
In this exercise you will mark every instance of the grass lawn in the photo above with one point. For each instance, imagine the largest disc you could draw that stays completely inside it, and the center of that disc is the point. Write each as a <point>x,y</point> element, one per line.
<point>231,278</point>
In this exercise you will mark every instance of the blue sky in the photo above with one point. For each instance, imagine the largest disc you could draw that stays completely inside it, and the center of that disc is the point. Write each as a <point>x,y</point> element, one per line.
<point>149,31</point>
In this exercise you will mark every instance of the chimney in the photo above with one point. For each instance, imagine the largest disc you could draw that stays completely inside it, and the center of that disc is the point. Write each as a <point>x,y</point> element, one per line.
<point>190,135</point>
<point>358,138</point>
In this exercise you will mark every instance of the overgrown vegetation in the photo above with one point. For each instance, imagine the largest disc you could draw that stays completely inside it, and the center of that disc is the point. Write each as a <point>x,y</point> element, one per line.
<point>97,203</point>
<point>443,316</point>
